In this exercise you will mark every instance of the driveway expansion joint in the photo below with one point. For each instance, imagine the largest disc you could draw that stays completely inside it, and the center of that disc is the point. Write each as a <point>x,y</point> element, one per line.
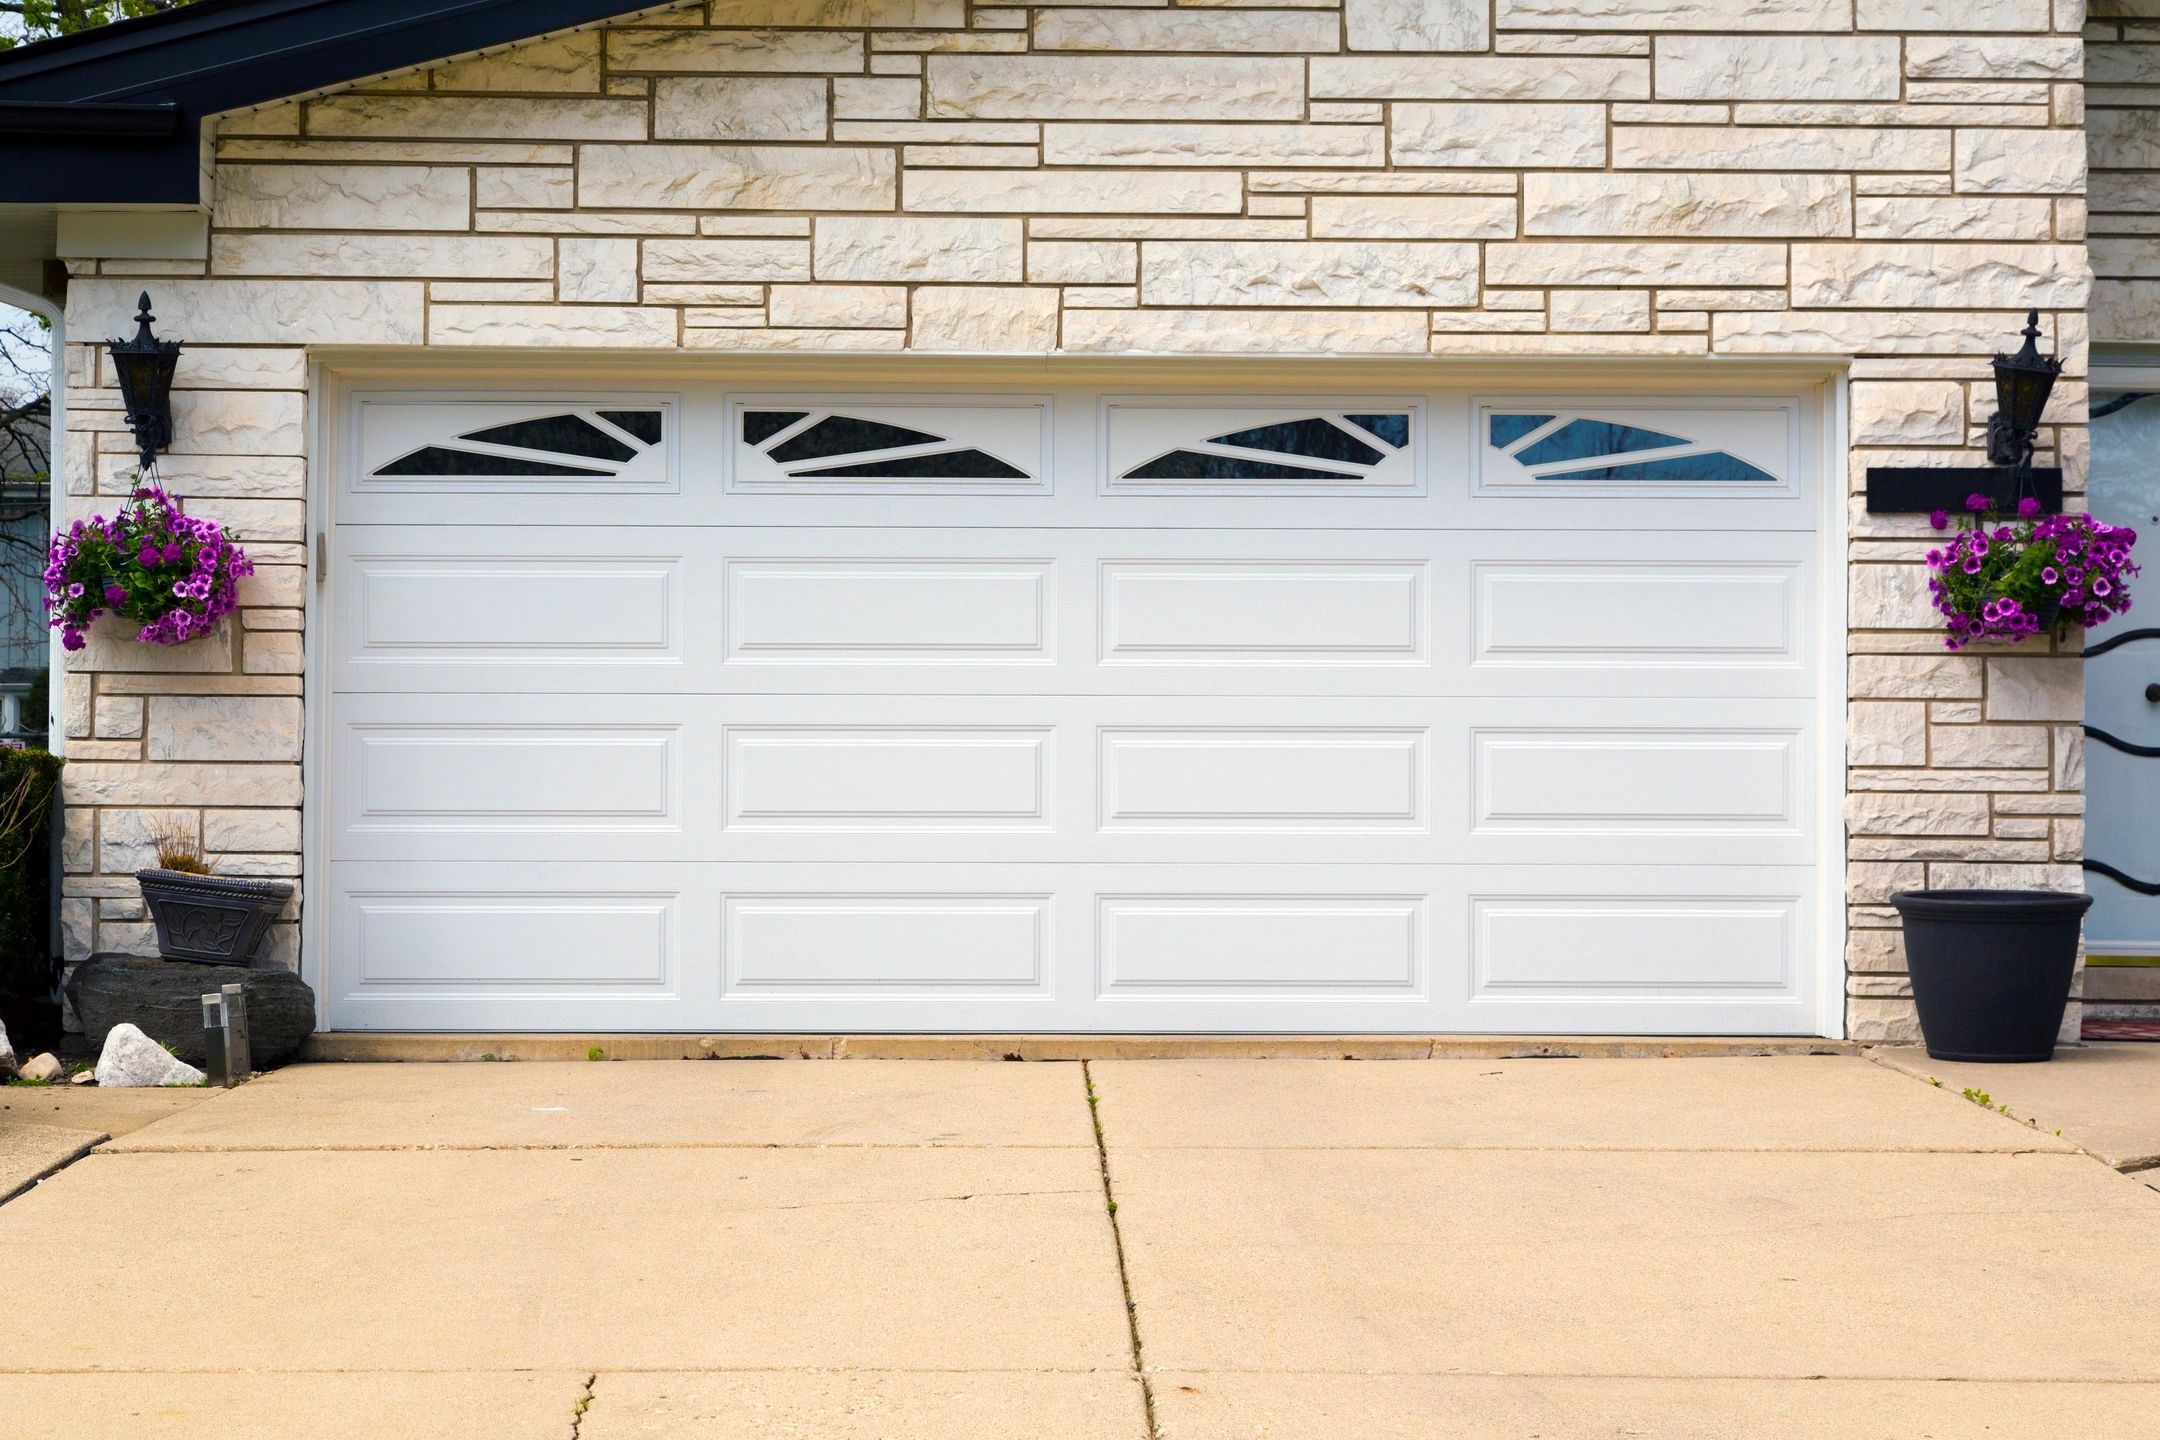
<point>1117,1242</point>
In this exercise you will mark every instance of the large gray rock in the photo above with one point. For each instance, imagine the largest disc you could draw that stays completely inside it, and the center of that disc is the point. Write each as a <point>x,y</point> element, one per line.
<point>132,1060</point>
<point>164,999</point>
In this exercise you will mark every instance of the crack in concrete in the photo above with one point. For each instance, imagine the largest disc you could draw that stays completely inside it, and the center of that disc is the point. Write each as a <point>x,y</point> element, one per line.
<point>1117,1245</point>
<point>584,1403</point>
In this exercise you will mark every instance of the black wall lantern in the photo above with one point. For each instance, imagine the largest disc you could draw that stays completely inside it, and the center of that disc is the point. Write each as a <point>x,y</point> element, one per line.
<point>145,367</point>
<point>2023,383</point>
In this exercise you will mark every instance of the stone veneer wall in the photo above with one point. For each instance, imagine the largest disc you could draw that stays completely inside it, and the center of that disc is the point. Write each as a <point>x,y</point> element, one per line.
<point>1889,180</point>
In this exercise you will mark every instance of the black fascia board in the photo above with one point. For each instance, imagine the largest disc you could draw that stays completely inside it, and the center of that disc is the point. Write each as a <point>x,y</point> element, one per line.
<point>213,56</point>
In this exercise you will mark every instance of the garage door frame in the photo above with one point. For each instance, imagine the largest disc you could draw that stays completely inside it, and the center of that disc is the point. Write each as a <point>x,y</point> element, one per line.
<point>334,372</point>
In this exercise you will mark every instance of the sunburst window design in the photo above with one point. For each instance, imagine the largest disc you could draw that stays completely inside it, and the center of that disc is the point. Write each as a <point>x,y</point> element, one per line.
<point>1585,449</point>
<point>571,445</point>
<point>835,445</point>
<point>1327,448</point>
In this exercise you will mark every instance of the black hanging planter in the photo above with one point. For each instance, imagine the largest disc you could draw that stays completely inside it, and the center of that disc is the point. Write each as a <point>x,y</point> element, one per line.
<point>211,919</point>
<point>1991,969</point>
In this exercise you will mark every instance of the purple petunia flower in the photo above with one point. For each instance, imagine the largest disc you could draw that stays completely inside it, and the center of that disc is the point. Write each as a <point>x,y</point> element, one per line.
<point>1979,504</point>
<point>2028,507</point>
<point>1940,519</point>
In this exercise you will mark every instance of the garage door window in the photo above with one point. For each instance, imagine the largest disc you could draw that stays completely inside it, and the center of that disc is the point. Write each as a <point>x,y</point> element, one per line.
<point>1551,446</point>
<point>499,446</point>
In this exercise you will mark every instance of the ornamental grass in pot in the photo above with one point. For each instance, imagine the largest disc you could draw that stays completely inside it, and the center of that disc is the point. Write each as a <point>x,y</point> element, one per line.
<point>1991,969</point>
<point>202,916</point>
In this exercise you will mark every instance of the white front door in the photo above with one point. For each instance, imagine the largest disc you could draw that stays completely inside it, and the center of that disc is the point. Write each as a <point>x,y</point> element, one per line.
<point>2122,694</point>
<point>701,708</point>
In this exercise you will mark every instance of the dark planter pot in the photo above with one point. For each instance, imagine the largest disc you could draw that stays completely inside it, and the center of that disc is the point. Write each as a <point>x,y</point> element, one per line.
<point>1991,969</point>
<point>211,919</point>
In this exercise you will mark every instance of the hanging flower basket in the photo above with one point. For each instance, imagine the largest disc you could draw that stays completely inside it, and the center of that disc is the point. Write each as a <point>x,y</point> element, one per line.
<point>150,565</point>
<point>2005,579</point>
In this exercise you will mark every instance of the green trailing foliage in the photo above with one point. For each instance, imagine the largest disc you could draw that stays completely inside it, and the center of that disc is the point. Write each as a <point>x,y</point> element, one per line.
<point>36,20</point>
<point>27,781</point>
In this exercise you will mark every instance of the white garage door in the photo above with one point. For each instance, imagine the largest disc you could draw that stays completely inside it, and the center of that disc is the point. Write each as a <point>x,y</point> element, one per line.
<point>700,708</point>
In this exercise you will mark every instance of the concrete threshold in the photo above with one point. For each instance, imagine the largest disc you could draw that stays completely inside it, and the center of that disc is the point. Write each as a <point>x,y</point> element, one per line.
<point>381,1047</point>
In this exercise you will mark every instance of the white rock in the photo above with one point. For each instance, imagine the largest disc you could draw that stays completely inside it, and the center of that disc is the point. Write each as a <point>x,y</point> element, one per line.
<point>687,261</point>
<point>385,257</point>
<point>1275,273</point>
<point>1965,57</point>
<point>986,318</point>
<point>1077,192</point>
<point>1621,263</point>
<point>468,118</point>
<point>910,248</point>
<point>2036,688</point>
<point>224,727</point>
<point>1496,135</point>
<point>1944,217</point>
<point>1260,32</point>
<point>1779,147</point>
<point>1953,15</point>
<point>132,1060</point>
<point>555,327</point>
<point>1599,311</point>
<point>733,51</point>
<point>84,1077</point>
<point>565,63</point>
<point>1682,203</point>
<point>1093,143</point>
<point>1923,276</point>
<point>43,1068</point>
<point>1125,87</point>
<point>1407,217</point>
<point>1478,77</point>
<point>1663,15</point>
<point>1417,24</point>
<point>740,107</point>
<point>7,1053</point>
<point>245,312</point>
<point>343,197</point>
<point>737,177</point>
<point>1778,67</point>
<point>2047,162</point>
<point>1250,332</point>
<point>1902,412</point>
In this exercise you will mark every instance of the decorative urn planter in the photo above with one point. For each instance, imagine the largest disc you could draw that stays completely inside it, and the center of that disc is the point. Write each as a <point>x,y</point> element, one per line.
<point>211,919</point>
<point>1991,969</point>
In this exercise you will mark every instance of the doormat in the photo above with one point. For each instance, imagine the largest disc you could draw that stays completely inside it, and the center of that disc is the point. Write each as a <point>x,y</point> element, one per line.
<point>2121,1030</point>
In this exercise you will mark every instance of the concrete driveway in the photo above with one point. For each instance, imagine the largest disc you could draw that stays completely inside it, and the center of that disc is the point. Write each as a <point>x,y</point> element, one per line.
<point>1244,1250</point>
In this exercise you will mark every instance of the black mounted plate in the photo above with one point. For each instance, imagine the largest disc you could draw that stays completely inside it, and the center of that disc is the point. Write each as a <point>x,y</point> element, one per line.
<point>1919,489</point>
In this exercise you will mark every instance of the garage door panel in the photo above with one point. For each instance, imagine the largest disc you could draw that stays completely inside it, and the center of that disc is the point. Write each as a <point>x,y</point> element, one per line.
<point>554,610</point>
<point>451,946</point>
<point>1122,947</point>
<point>1095,778</point>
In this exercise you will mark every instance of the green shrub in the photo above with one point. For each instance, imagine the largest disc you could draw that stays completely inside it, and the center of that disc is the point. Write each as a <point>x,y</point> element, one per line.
<point>27,781</point>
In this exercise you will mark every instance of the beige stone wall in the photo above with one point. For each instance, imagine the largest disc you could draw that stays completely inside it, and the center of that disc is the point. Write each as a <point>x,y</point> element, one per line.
<point>1892,181</point>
